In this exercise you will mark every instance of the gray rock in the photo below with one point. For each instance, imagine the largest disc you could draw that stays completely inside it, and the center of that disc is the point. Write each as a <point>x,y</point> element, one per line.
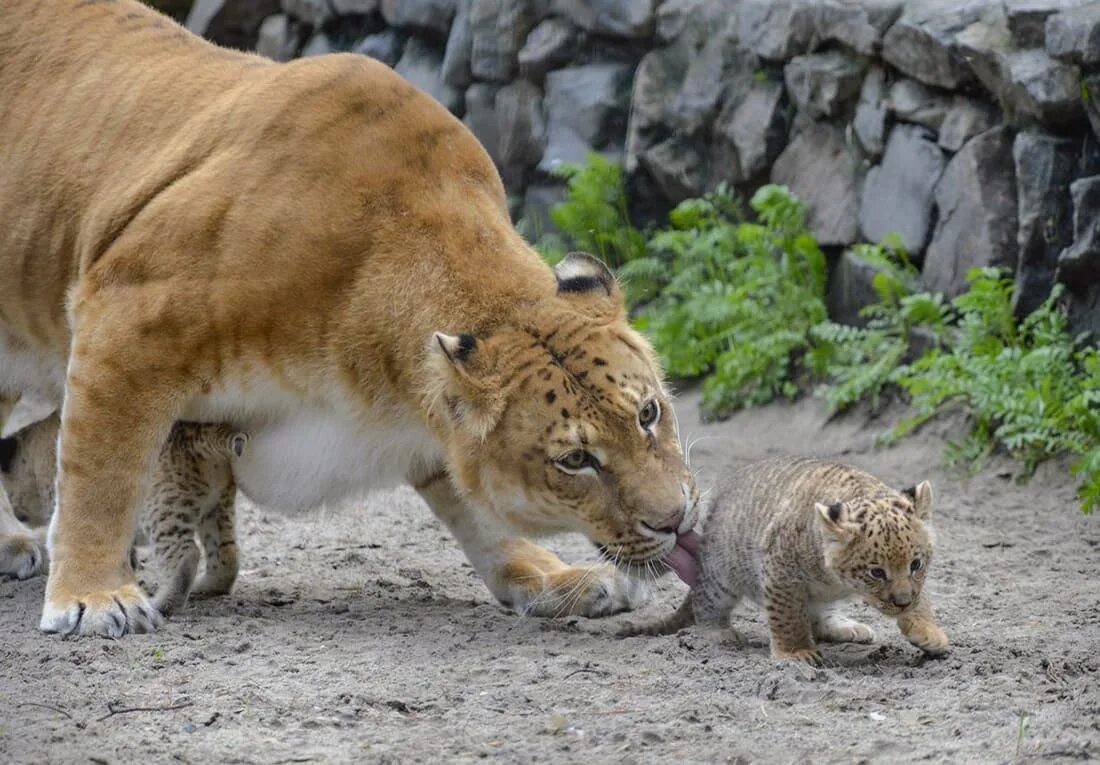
<point>913,101</point>
<point>1074,35</point>
<point>776,30</point>
<point>481,117</point>
<point>420,64</point>
<point>976,197</point>
<point>869,122</point>
<point>498,29</point>
<point>354,7</point>
<point>676,167</point>
<point>318,44</point>
<point>921,43</point>
<point>656,81</point>
<point>177,9</point>
<point>721,60</point>
<point>551,44</point>
<point>312,12</point>
<point>1027,82</point>
<point>385,46</point>
<point>231,24</point>
<point>823,170</point>
<point>1079,264</point>
<point>431,16</point>
<point>1090,98</point>
<point>857,25</point>
<point>851,288</point>
<point>522,130</point>
<point>754,128</point>
<point>897,195</point>
<point>278,38</point>
<point>614,18</point>
<point>1045,166</point>
<point>456,56</point>
<point>586,107</point>
<point>538,200</point>
<point>1027,19</point>
<point>965,119</point>
<point>691,21</point>
<point>824,84</point>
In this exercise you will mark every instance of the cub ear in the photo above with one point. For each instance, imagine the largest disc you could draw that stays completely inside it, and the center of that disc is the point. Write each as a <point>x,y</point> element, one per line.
<point>834,519</point>
<point>921,494</point>
<point>465,382</point>
<point>585,280</point>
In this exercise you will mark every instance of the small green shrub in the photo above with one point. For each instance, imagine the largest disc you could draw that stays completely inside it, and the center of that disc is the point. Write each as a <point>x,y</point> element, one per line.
<point>1026,386</point>
<point>732,302</point>
<point>593,215</point>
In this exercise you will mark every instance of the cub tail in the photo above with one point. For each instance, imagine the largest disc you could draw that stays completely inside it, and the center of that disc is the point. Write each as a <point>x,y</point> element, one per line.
<point>683,617</point>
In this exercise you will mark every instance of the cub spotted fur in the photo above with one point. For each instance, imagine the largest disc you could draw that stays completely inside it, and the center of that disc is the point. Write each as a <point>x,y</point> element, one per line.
<point>191,498</point>
<point>320,255</point>
<point>799,536</point>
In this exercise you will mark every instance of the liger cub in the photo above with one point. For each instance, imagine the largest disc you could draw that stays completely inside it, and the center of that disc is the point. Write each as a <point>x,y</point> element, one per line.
<point>320,255</point>
<point>191,500</point>
<point>800,536</point>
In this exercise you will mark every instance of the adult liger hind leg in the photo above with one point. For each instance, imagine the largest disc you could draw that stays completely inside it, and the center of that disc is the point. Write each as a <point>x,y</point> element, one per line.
<point>114,420</point>
<point>523,576</point>
<point>219,541</point>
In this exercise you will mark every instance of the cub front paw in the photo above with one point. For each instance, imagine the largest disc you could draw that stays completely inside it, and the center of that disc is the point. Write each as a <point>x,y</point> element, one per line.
<point>929,638</point>
<point>593,591</point>
<point>109,614</point>
<point>21,556</point>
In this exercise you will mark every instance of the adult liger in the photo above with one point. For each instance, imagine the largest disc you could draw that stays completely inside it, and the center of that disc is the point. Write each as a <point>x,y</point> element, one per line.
<point>317,254</point>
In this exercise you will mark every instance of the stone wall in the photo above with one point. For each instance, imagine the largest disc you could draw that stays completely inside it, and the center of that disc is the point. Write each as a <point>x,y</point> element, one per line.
<point>969,127</point>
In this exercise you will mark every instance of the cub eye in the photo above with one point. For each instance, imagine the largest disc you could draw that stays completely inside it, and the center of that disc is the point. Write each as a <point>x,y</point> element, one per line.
<point>915,566</point>
<point>877,573</point>
<point>649,414</point>
<point>577,460</point>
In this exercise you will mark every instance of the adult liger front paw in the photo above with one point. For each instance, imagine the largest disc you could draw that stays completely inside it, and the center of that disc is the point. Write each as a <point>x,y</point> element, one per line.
<point>597,590</point>
<point>21,556</point>
<point>106,613</point>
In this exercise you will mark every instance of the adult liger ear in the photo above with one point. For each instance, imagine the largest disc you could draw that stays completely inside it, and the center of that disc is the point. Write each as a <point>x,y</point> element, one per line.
<point>834,519</point>
<point>466,383</point>
<point>586,282</point>
<point>921,494</point>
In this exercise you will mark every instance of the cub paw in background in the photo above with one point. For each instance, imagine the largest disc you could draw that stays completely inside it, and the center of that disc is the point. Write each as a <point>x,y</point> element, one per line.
<point>801,536</point>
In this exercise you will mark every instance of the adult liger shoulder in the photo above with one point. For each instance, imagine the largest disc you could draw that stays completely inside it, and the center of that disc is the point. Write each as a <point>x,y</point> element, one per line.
<point>317,254</point>
<point>800,536</point>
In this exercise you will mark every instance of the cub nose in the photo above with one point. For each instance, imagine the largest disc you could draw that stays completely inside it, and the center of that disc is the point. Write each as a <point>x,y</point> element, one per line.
<point>901,601</point>
<point>671,523</point>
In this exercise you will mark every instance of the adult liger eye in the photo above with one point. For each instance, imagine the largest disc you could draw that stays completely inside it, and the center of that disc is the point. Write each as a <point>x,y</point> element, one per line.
<point>577,460</point>
<point>649,414</point>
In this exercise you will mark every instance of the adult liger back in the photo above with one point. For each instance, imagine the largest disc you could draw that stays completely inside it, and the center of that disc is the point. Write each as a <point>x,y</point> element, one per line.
<point>319,255</point>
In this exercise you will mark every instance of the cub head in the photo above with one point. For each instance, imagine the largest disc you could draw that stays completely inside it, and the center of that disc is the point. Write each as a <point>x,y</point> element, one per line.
<point>559,421</point>
<point>28,454</point>
<point>880,546</point>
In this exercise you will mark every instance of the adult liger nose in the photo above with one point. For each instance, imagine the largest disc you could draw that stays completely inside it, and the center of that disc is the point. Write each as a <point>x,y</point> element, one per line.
<point>670,523</point>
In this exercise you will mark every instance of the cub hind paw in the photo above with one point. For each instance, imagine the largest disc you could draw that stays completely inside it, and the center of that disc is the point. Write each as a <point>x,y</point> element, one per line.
<point>21,556</point>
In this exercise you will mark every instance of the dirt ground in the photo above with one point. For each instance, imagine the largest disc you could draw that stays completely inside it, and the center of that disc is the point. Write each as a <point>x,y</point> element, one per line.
<point>360,634</point>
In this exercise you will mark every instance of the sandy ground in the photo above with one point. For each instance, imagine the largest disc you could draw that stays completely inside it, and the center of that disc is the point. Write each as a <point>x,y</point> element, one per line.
<point>362,635</point>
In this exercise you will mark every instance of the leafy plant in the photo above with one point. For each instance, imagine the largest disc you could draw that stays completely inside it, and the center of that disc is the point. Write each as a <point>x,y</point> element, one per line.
<point>733,301</point>
<point>594,214</point>
<point>1026,386</point>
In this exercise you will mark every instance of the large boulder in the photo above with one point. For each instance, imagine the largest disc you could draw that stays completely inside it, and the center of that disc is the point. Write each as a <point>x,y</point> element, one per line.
<point>656,82</point>
<point>312,12</point>
<point>613,18</point>
<point>385,46</point>
<point>898,194</point>
<point>522,130</point>
<point>824,171</point>
<point>421,64</point>
<point>456,56</point>
<point>1090,97</point>
<point>676,167</point>
<point>721,60</point>
<point>551,44</point>
<point>232,24</point>
<point>1027,19</point>
<point>319,44</point>
<point>869,122</point>
<point>976,198</point>
<point>913,101</point>
<point>921,43</point>
<point>354,7</point>
<point>851,287</point>
<point>431,17</point>
<point>586,109</point>
<point>824,84</point>
<point>481,117</point>
<point>1079,264</point>
<point>856,25</point>
<point>279,37</point>
<point>750,132</point>
<point>1073,35</point>
<point>776,30</point>
<point>690,21</point>
<point>498,29</point>
<point>1045,167</point>
<point>965,119</point>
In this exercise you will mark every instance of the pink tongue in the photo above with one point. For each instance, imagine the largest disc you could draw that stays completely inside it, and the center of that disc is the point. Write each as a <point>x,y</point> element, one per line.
<point>682,557</point>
